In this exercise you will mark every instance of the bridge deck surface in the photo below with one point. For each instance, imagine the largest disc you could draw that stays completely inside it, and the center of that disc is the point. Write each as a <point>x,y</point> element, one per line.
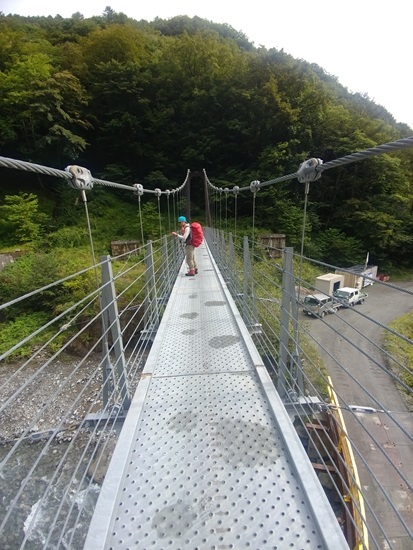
<point>208,457</point>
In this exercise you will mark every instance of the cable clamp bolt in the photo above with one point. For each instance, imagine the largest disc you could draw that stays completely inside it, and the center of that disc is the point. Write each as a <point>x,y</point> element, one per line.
<point>235,190</point>
<point>158,192</point>
<point>81,177</point>
<point>254,186</point>
<point>308,172</point>
<point>138,189</point>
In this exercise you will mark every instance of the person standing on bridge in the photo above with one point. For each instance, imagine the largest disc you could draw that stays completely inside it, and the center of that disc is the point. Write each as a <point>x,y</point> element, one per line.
<point>184,236</point>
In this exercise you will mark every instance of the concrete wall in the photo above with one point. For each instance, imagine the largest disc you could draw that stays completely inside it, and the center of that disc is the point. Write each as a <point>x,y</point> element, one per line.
<point>5,259</point>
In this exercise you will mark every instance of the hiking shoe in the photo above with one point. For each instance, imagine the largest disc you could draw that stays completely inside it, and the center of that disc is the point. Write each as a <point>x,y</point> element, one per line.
<point>190,273</point>
<point>196,271</point>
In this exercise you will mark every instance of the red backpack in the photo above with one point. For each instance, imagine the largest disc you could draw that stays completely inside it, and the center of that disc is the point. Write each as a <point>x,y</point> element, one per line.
<point>197,234</point>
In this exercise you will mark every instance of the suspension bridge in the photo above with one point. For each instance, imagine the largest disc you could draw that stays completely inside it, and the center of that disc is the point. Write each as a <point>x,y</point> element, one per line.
<point>206,412</point>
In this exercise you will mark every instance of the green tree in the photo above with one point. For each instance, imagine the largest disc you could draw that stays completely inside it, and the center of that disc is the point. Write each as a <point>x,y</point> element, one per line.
<point>40,111</point>
<point>21,221</point>
<point>336,248</point>
<point>188,93</point>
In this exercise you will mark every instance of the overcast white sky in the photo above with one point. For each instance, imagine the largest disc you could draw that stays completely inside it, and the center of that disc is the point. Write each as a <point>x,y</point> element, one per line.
<point>366,44</point>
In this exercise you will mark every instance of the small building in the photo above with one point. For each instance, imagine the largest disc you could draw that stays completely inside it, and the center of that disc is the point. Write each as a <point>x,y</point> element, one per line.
<point>274,244</point>
<point>329,282</point>
<point>124,247</point>
<point>355,277</point>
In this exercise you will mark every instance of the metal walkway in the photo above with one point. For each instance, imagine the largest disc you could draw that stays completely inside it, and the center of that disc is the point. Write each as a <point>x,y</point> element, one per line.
<point>208,457</point>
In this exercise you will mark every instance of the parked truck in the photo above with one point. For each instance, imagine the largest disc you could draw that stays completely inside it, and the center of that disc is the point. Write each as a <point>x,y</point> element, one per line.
<point>318,305</point>
<point>349,296</point>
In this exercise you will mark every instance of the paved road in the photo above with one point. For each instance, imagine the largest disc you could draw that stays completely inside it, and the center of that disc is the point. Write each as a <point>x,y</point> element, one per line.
<point>356,364</point>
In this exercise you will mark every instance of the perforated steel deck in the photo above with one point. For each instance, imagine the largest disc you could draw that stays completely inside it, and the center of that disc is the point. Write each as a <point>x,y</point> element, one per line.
<point>208,457</point>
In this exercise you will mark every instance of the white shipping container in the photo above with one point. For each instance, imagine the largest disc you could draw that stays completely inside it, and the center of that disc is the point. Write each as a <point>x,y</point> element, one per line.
<point>329,282</point>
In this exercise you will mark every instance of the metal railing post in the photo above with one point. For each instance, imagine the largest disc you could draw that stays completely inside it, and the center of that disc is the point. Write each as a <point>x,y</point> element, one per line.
<point>290,375</point>
<point>111,317</point>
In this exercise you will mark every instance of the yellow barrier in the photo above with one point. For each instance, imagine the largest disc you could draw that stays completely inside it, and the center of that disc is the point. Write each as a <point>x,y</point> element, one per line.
<point>353,481</point>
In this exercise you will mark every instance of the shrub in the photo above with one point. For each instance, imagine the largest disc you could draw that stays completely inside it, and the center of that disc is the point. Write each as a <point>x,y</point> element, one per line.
<point>12,332</point>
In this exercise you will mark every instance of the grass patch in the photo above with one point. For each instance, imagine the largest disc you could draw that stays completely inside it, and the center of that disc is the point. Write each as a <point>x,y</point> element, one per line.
<point>315,372</point>
<point>13,332</point>
<point>402,352</point>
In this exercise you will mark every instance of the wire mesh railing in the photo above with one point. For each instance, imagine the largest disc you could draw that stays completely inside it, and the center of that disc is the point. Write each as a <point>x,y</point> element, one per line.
<point>63,394</point>
<point>353,367</point>
<point>346,388</point>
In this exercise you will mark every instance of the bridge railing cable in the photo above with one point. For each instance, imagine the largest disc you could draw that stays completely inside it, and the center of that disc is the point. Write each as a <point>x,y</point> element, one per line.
<point>348,346</point>
<point>61,412</point>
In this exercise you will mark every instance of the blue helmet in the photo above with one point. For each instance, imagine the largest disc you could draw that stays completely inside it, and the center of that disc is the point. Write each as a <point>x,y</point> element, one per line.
<point>181,219</point>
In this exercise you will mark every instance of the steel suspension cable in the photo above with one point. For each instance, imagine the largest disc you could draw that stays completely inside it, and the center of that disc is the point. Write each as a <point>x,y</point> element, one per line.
<point>311,170</point>
<point>391,147</point>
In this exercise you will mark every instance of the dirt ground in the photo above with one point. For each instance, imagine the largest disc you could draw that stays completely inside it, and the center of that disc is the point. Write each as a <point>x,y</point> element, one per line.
<point>41,396</point>
<point>44,396</point>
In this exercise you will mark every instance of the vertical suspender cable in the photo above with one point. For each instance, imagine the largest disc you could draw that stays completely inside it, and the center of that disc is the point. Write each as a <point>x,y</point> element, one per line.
<point>169,213</point>
<point>220,208</point>
<point>216,209</point>
<point>235,216</point>
<point>158,194</point>
<point>253,226</point>
<point>235,190</point>
<point>254,187</point>
<point>226,209</point>
<point>139,192</point>
<point>174,207</point>
<point>84,199</point>
<point>307,188</point>
<point>140,218</point>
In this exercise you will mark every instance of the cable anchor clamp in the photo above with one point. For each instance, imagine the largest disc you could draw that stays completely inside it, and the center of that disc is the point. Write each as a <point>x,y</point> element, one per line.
<point>235,190</point>
<point>308,172</point>
<point>138,189</point>
<point>81,177</point>
<point>158,192</point>
<point>254,186</point>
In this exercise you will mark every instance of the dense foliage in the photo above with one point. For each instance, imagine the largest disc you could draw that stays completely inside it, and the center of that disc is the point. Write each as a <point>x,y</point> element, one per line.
<point>137,101</point>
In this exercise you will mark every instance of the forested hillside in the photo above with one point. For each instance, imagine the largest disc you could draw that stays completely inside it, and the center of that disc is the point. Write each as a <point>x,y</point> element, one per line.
<point>143,102</point>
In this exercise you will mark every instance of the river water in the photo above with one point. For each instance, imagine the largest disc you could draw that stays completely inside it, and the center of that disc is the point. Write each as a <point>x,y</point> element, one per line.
<point>47,514</point>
